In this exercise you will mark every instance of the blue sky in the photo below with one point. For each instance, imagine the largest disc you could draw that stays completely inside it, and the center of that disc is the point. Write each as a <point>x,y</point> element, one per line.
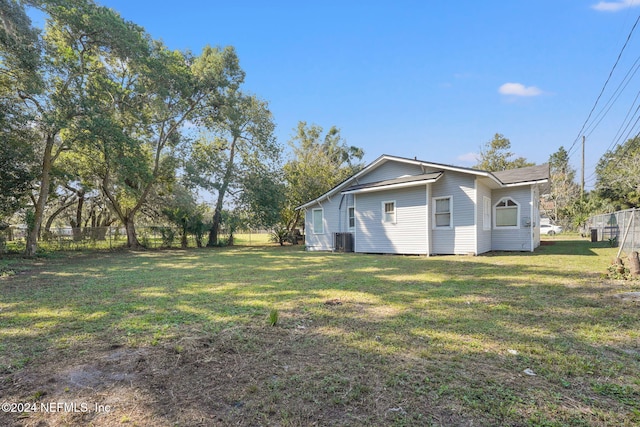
<point>430,79</point>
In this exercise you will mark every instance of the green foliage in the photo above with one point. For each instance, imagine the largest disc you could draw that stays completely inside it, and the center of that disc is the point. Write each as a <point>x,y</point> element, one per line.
<point>182,210</point>
<point>238,155</point>
<point>564,192</point>
<point>495,156</point>
<point>29,218</point>
<point>109,105</point>
<point>168,235</point>
<point>274,316</point>
<point>618,272</point>
<point>19,49</point>
<point>279,234</point>
<point>263,196</point>
<point>17,161</point>
<point>618,175</point>
<point>580,210</point>
<point>19,61</point>
<point>319,163</point>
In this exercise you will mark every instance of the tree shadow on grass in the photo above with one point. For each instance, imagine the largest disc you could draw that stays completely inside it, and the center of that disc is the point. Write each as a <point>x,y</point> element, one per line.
<point>413,340</point>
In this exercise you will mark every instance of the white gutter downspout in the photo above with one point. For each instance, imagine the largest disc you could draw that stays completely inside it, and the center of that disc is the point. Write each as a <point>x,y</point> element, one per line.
<point>475,216</point>
<point>531,218</point>
<point>427,208</point>
<point>355,223</point>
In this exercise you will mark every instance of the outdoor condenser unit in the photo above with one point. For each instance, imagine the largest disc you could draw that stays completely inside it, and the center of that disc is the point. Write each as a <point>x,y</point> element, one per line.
<point>343,242</point>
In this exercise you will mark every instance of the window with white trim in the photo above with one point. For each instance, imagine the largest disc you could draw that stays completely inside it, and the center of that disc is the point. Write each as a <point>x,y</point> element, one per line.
<point>486,213</point>
<point>317,220</point>
<point>389,212</point>
<point>507,212</point>
<point>442,212</point>
<point>352,217</point>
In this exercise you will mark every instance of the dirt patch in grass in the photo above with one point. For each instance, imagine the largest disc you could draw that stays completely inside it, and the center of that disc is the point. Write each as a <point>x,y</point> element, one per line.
<point>285,376</point>
<point>243,376</point>
<point>629,296</point>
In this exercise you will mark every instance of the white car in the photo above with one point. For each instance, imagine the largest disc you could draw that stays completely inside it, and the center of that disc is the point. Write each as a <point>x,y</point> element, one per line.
<point>550,229</point>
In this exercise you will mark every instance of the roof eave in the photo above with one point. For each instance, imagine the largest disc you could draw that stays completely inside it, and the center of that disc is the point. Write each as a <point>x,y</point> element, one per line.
<point>523,183</point>
<point>344,183</point>
<point>392,186</point>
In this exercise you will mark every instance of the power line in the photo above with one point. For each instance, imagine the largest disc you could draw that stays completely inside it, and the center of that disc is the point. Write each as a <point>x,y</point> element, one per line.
<point>614,97</point>
<point>603,87</point>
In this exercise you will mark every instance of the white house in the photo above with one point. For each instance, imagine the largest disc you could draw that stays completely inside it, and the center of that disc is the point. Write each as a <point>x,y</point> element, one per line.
<point>397,205</point>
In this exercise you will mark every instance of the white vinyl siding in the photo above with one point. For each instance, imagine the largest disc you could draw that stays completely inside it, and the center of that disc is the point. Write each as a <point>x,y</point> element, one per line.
<point>408,235</point>
<point>333,221</point>
<point>484,209</point>
<point>411,224</point>
<point>509,238</point>
<point>390,170</point>
<point>460,237</point>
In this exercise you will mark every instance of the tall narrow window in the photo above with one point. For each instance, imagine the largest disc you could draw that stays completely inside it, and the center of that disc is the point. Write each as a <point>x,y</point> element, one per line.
<point>442,212</point>
<point>389,212</point>
<point>506,213</point>
<point>486,213</point>
<point>352,217</point>
<point>318,221</point>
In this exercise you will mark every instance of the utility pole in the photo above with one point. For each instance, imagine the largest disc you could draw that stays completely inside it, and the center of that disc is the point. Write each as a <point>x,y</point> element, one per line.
<point>582,174</point>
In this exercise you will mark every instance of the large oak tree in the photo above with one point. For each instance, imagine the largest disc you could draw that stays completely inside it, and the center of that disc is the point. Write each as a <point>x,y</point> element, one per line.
<point>78,35</point>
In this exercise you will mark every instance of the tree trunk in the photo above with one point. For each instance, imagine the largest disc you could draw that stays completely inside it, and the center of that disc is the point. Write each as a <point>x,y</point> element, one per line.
<point>77,224</point>
<point>217,216</point>
<point>215,228</point>
<point>49,222</point>
<point>183,242</point>
<point>294,222</point>
<point>132,238</point>
<point>43,193</point>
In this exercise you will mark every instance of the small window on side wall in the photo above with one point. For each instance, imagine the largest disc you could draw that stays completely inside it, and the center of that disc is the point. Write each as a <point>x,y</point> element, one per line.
<point>507,212</point>
<point>442,212</point>
<point>318,221</point>
<point>389,212</point>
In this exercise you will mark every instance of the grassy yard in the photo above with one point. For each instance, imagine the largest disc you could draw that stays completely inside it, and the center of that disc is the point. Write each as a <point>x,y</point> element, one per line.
<point>167,338</point>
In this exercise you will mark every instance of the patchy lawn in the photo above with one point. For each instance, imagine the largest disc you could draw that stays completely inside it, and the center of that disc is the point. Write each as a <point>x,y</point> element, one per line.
<point>169,338</point>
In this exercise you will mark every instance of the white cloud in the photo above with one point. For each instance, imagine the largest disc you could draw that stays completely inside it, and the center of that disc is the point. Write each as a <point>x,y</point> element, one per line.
<point>469,158</point>
<point>518,89</point>
<point>614,6</point>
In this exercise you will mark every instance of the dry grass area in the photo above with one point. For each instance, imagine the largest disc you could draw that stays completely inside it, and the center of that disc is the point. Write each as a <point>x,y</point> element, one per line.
<point>166,338</point>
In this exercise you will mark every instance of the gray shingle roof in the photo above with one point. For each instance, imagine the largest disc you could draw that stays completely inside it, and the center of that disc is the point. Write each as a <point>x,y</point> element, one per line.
<point>521,175</point>
<point>391,182</point>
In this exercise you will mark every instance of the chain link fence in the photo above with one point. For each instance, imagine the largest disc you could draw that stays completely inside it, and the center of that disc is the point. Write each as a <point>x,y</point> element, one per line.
<point>619,228</point>
<point>13,238</point>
